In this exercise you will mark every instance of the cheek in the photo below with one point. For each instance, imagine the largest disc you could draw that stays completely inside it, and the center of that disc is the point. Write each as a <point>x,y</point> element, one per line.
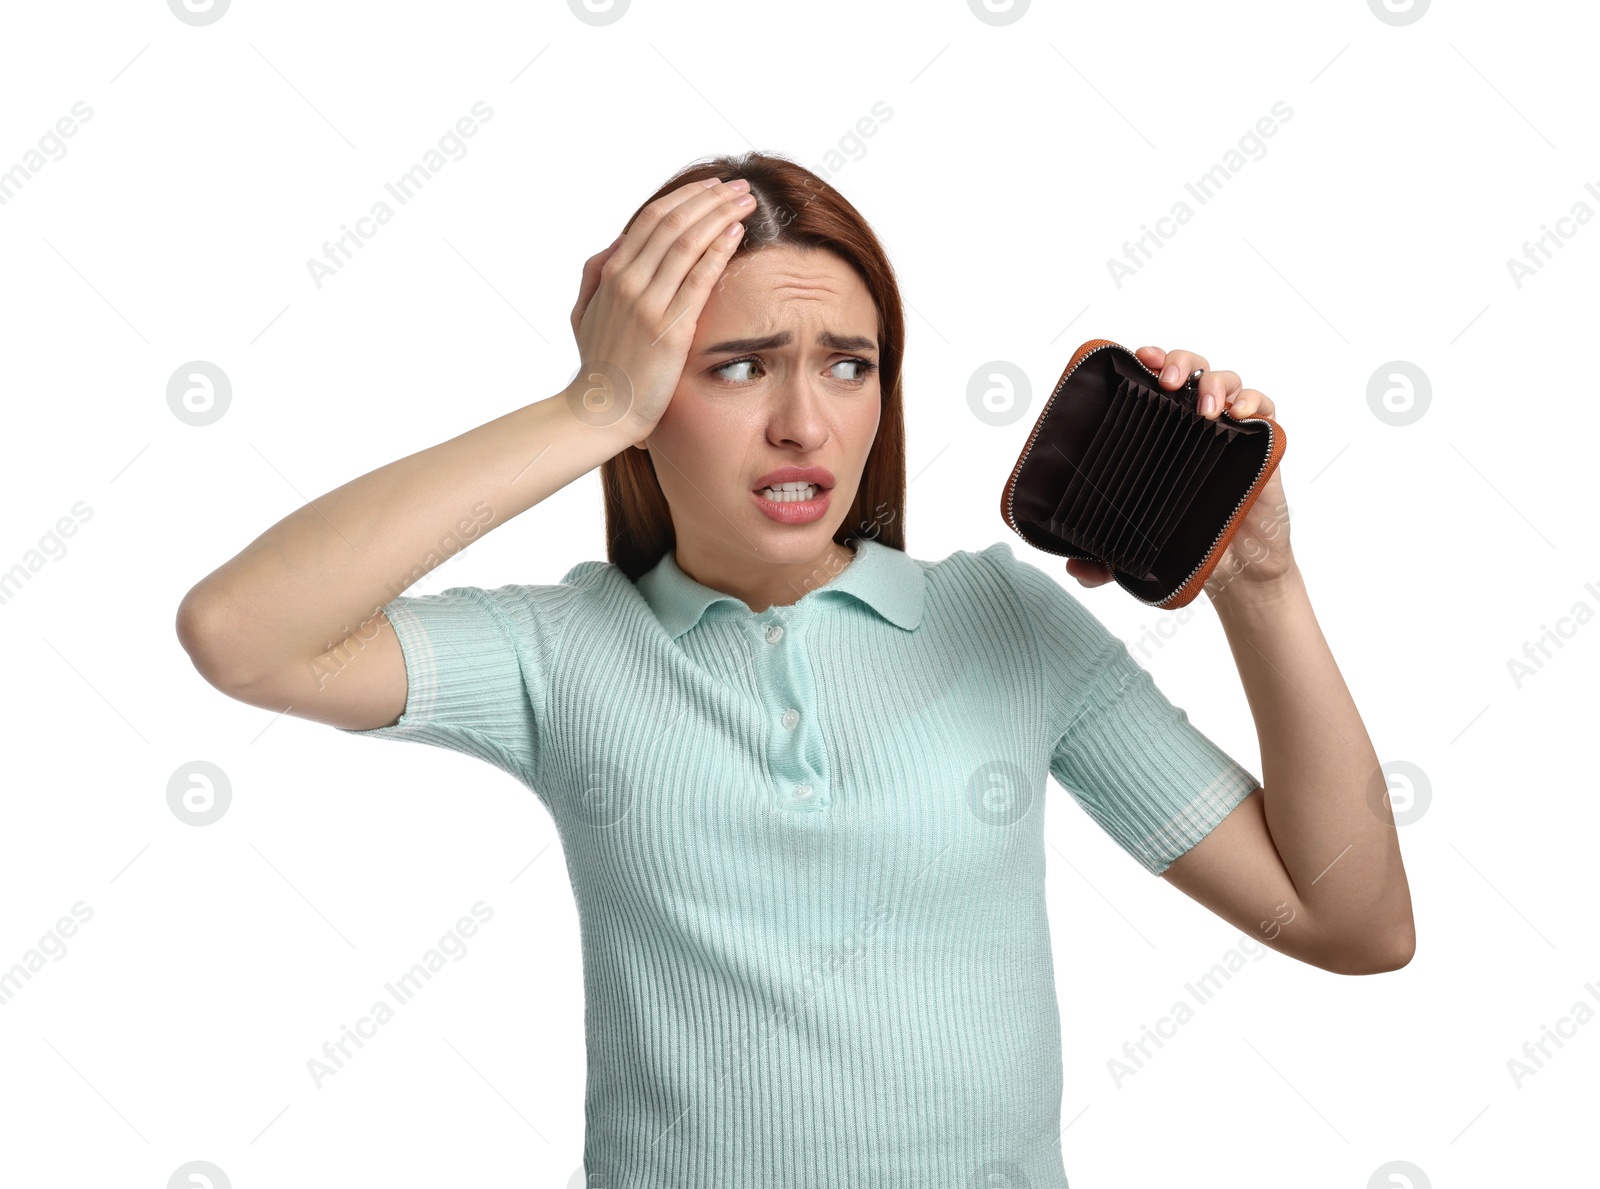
<point>697,436</point>
<point>865,425</point>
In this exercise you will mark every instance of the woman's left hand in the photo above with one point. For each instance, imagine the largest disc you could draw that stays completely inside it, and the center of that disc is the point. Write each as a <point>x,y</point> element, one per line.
<point>1259,550</point>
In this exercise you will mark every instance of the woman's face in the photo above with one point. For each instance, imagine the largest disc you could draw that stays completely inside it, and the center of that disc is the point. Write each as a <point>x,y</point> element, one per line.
<point>760,392</point>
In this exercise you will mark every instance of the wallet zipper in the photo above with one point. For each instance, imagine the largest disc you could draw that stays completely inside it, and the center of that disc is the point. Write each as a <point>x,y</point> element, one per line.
<point>1039,425</point>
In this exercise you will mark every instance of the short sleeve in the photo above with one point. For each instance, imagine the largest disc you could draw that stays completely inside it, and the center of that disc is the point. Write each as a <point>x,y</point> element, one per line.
<point>478,667</point>
<point>1143,771</point>
<point>1135,763</point>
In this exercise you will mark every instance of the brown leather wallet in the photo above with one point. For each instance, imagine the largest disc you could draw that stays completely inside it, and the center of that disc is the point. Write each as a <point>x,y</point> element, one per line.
<point>1119,471</point>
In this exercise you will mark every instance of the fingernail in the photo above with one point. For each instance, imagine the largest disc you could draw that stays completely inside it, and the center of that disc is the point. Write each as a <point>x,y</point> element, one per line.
<point>1208,405</point>
<point>1169,374</point>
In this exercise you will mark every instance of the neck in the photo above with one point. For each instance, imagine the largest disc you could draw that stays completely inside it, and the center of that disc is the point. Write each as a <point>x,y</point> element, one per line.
<point>761,585</point>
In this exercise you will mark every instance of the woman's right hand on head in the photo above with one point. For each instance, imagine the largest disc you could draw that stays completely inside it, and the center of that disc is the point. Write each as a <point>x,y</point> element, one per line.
<point>642,297</point>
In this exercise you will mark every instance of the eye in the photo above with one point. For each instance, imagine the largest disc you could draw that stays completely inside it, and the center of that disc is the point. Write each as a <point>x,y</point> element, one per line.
<point>866,365</point>
<point>866,368</point>
<point>747,360</point>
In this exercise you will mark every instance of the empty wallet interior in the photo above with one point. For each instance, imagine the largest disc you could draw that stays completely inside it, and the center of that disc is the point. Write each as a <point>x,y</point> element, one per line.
<point>1123,472</point>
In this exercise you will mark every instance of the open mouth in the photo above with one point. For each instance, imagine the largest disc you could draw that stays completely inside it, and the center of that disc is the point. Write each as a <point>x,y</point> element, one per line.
<point>791,493</point>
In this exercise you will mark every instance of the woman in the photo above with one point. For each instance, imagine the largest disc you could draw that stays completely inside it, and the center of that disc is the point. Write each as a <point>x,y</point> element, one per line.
<point>798,775</point>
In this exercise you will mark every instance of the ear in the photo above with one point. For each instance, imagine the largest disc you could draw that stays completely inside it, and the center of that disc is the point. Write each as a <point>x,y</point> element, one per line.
<point>641,446</point>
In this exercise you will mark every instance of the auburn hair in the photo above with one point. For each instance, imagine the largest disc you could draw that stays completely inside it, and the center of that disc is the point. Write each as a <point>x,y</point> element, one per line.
<point>793,207</point>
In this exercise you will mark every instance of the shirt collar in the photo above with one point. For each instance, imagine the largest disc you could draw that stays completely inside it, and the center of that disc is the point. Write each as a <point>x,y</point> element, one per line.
<point>886,579</point>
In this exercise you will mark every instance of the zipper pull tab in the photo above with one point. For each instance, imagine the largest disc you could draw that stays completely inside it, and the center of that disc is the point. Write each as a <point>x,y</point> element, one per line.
<point>1191,391</point>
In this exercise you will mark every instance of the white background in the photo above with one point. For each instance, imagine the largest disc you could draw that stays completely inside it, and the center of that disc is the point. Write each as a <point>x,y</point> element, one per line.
<point>1376,226</point>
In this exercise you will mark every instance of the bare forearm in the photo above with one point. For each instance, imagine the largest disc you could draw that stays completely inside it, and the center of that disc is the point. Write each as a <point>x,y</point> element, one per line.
<point>1323,794</point>
<point>314,577</point>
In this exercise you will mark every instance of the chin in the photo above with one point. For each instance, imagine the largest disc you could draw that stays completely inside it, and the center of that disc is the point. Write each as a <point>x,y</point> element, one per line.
<point>792,544</point>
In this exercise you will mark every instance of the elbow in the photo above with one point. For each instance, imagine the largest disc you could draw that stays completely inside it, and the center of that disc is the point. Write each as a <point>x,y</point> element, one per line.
<point>1395,954</point>
<point>190,624</point>
<point>203,633</point>
<point>1401,951</point>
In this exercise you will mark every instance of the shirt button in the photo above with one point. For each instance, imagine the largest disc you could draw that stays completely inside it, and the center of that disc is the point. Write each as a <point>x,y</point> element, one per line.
<point>774,634</point>
<point>790,717</point>
<point>802,792</point>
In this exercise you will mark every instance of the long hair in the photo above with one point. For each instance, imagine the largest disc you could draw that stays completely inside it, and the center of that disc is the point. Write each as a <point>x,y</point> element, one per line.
<point>793,207</point>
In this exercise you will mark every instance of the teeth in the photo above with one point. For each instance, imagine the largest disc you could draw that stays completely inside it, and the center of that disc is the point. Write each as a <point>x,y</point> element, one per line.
<point>789,493</point>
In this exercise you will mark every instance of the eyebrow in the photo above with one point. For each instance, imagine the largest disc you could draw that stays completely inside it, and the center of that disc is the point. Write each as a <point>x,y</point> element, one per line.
<point>837,342</point>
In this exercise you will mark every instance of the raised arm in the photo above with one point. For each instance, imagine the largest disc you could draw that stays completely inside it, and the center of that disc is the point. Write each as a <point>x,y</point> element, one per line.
<point>1310,863</point>
<point>303,601</point>
<point>295,621</point>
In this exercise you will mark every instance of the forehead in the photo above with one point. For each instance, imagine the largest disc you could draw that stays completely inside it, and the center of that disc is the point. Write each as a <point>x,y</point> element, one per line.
<point>799,277</point>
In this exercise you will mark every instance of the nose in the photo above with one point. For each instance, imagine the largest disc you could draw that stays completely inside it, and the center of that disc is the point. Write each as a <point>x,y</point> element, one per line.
<point>794,415</point>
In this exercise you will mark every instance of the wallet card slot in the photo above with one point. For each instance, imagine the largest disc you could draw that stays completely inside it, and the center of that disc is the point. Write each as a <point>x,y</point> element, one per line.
<point>1191,436</point>
<point>1126,494</point>
<point>1116,506</point>
<point>1170,485</point>
<point>1188,440</point>
<point>1080,495</point>
<point>1103,432</point>
<point>1164,437</point>
<point>1091,495</point>
<point>1193,479</point>
<point>1120,470</point>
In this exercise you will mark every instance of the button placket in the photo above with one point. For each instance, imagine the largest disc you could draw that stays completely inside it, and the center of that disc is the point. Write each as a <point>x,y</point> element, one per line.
<point>797,757</point>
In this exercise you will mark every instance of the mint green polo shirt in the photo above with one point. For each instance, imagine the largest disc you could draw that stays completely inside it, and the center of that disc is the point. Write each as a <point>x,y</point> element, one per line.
<point>806,847</point>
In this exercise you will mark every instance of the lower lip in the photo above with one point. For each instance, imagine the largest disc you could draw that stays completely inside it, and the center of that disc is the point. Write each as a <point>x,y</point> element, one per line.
<point>794,511</point>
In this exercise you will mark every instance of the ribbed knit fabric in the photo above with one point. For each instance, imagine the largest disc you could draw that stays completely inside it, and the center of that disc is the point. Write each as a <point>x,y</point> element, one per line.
<point>807,852</point>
